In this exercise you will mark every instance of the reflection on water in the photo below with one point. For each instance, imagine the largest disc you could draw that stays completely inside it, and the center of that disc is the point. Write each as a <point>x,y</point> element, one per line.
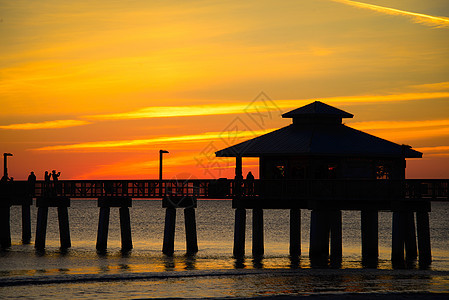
<point>213,271</point>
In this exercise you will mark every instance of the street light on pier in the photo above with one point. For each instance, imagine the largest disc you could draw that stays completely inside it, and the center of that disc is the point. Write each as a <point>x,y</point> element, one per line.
<point>161,152</point>
<point>5,167</point>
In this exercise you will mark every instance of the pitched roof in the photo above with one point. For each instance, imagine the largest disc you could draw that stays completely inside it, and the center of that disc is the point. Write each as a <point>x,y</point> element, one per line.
<point>315,138</point>
<point>337,140</point>
<point>317,108</point>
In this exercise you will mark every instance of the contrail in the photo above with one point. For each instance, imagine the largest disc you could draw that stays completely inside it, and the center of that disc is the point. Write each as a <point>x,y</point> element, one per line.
<point>417,17</point>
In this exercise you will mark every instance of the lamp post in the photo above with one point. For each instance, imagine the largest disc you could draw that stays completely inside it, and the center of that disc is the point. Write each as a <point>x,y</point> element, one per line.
<point>161,152</point>
<point>5,166</point>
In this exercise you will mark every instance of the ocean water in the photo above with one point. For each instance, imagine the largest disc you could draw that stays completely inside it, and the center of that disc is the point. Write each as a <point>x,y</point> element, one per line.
<point>144,272</point>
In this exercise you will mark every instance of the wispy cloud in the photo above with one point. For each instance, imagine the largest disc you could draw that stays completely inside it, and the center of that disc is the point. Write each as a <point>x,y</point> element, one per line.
<point>434,151</point>
<point>175,111</point>
<point>242,107</point>
<point>46,125</point>
<point>157,140</point>
<point>398,124</point>
<point>416,17</point>
<point>234,108</point>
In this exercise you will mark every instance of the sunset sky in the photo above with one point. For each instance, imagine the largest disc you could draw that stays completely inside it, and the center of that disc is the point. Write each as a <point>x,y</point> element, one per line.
<point>95,88</point>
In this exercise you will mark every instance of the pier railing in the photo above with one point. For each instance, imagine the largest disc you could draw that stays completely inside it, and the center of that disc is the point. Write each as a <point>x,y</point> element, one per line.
<point>433,189</point>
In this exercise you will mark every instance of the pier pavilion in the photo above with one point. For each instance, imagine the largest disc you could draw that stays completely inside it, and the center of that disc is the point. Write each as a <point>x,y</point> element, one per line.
<point>320,164</point>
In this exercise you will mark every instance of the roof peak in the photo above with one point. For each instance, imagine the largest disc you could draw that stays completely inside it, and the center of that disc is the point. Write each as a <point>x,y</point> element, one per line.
<point>317,108</point>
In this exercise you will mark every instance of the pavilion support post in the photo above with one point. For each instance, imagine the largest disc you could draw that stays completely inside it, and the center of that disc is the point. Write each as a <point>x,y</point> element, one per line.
<point>190,227</point>
<point>398,239</point>
<point>64,229</point>
<point>239,233</point>
<point>370,237</point>
<point>336,255</point>
<point>295,232</point>
<point>168,247</point>
<point>103,228</point>
<point>26,223</point>
<point>5,227</point>
<point>125,228</point>
<point>258,242</point>
<point>319,237</point>
<point>41,227</point>
<point>411,251</point>
<point>238,177</point>
<point>425,255</point>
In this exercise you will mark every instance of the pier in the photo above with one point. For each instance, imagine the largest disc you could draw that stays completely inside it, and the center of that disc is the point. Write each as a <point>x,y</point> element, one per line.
<point>317,164</point>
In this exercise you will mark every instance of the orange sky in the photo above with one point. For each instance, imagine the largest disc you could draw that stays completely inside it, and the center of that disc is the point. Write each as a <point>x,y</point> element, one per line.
<point>95,88</point>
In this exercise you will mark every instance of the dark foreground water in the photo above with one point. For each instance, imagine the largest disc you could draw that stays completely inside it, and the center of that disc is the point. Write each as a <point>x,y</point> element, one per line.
<point>145,273</point>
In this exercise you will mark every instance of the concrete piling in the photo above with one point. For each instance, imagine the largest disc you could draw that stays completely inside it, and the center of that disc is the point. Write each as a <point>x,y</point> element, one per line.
<point>168,247</point>
<point>239,233</point>
<point>64,229</point>
<point>5,229</point>
<point>190,228</point>
<point>370,237</point>
<point>103,228</point>
<point>295,232</point>
<point>411,250</point>
<point>41,227</point>
<point>336,253</point>
<point>423,229</point>
<point>398,239</point>
<point>258,239</point>
<point>26,224</point>
<point>319,237</point>
<point>125,228</point>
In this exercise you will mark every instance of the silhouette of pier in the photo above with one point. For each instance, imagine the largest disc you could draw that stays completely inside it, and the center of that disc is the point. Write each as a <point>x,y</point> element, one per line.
<point>317,163</point>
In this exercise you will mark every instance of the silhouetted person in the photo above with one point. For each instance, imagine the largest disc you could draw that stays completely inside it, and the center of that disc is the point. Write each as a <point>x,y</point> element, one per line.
<point>31,183</point>
<point>4,178</point>
<point>55,177</point>
<point>250,183</point>
<point>47,186</point>
<point>32,177</point>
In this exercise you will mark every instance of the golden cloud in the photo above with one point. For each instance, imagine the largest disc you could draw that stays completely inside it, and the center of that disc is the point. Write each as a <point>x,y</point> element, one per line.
<point>416,17</point>
<point>46,125</point>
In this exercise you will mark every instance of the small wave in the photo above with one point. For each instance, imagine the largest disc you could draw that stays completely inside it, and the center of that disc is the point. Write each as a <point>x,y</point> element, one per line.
<point>84,278</point>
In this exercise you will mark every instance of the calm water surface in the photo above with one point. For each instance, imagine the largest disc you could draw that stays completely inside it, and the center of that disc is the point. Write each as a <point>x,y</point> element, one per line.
<point>144,272</point>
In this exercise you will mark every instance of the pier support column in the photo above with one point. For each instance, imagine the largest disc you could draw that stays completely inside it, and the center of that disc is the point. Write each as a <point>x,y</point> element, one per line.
<point>398,239</point>
<point>295,232</point>
<point>26,224</point>
<point>190,227</point>
<point>425,255</point>
<point>319,237</point>
<point>43,203</point>
<point>64,229</point>
<point>103,228</point>
<point>168,247</point>
<point>370,237</point>
<point>5,227</point>
<point>258,242</point>
<point>125,228</point>
<point>105,204</point>
<point>336,237</point>
<point>411,251</point>
<point>41,227</point>
<point>239,233</point>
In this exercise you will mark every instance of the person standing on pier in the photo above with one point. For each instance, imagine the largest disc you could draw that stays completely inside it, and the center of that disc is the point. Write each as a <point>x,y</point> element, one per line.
<point>249,183</point>
<point>55,177</point>
<point>47,186</point>
<point>31,183</point>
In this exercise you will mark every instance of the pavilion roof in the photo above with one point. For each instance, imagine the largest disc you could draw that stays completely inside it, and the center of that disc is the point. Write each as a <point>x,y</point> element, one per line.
<point>321,139</point>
